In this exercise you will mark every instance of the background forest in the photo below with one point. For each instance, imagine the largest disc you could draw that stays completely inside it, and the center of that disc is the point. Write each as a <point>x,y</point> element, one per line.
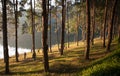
<point>60,37</point>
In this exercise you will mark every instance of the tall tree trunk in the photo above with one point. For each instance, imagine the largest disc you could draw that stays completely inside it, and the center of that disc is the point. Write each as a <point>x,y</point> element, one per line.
<point>83,29</point>
<point>77,30</point>
<point>93,22</point>
<point>83,33</point>
<point>16,35</point>
<point>88,29</point>
<point>33,32</point>
<point>45,37</point>
<point>41,30</point>
<point>57,29</point>
<point>104,27</point>
<point>57,33</point>
<point>101,31</point>
<point>111,27</point>
<point>5,39</point>
<point>63,26</point>
<point>108,20</point>
<point>50,24</point>
<point>115,23</point>
<point>68,25</point>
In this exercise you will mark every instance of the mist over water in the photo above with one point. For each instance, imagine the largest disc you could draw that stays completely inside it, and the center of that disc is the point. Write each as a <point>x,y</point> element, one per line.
<point>12,51</point>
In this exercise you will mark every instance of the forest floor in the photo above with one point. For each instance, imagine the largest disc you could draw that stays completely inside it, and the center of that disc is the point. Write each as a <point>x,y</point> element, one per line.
<point>70,64</point>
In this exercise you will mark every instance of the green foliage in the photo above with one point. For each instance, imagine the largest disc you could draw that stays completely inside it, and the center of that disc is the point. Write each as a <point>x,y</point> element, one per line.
<point>73,25</point>
<point>107,66</point>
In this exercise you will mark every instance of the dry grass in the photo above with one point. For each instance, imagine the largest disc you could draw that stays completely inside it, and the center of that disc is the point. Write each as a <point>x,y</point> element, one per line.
<point>67,65</point>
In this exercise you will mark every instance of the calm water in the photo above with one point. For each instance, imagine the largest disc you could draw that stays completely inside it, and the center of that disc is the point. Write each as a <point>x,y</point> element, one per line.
<point>25,42</point>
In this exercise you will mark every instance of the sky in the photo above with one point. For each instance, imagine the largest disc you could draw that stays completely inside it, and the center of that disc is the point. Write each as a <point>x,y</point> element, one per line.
<point>53,2</point>
<point>27,6</point>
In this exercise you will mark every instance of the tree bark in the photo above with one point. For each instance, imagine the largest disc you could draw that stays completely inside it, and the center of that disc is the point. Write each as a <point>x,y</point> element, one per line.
<point>115,27</point>
<point>33,32</point>
<point>50,24</point>
<point>83,29</point>
<point>104,26</point>
<point>57,29</point>
<point>93,22</point>
<point>57,33</point>
<point>111,27</point>
<point>16,25</point>
<point>63,26</point>
<point>45,37</point>
<point>68,25</point>
<point>101,31</point>
<point>5,39</point>
<point>88,29</point>
<point>77,30</point>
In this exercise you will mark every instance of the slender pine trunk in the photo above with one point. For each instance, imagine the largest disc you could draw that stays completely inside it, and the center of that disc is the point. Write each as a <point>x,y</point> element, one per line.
<point>63,26</point>
<point>93,22</point>
<point>16,35</point>
<point>104,27</point>
<point>50,24</point>
<point>68,26</point>
<point>45,37</point>
<point>5,39</point>
<point>84,28</point>
<point>33,31</point>
<point>57,29</point>
<point>16,25</point>
<point>88,29</point>
<point>111,27</point>
<point>77,30</point>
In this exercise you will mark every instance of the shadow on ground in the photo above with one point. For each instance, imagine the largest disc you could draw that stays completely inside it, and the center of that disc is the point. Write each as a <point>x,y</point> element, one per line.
<point>64,68</point>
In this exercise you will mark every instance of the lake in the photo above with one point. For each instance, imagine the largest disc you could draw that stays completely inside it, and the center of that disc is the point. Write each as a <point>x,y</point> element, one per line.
<point>25,41</point>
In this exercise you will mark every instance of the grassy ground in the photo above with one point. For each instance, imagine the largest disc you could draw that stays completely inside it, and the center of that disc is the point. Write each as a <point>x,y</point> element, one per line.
<point>106,66</point>
<point>72,63</point>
